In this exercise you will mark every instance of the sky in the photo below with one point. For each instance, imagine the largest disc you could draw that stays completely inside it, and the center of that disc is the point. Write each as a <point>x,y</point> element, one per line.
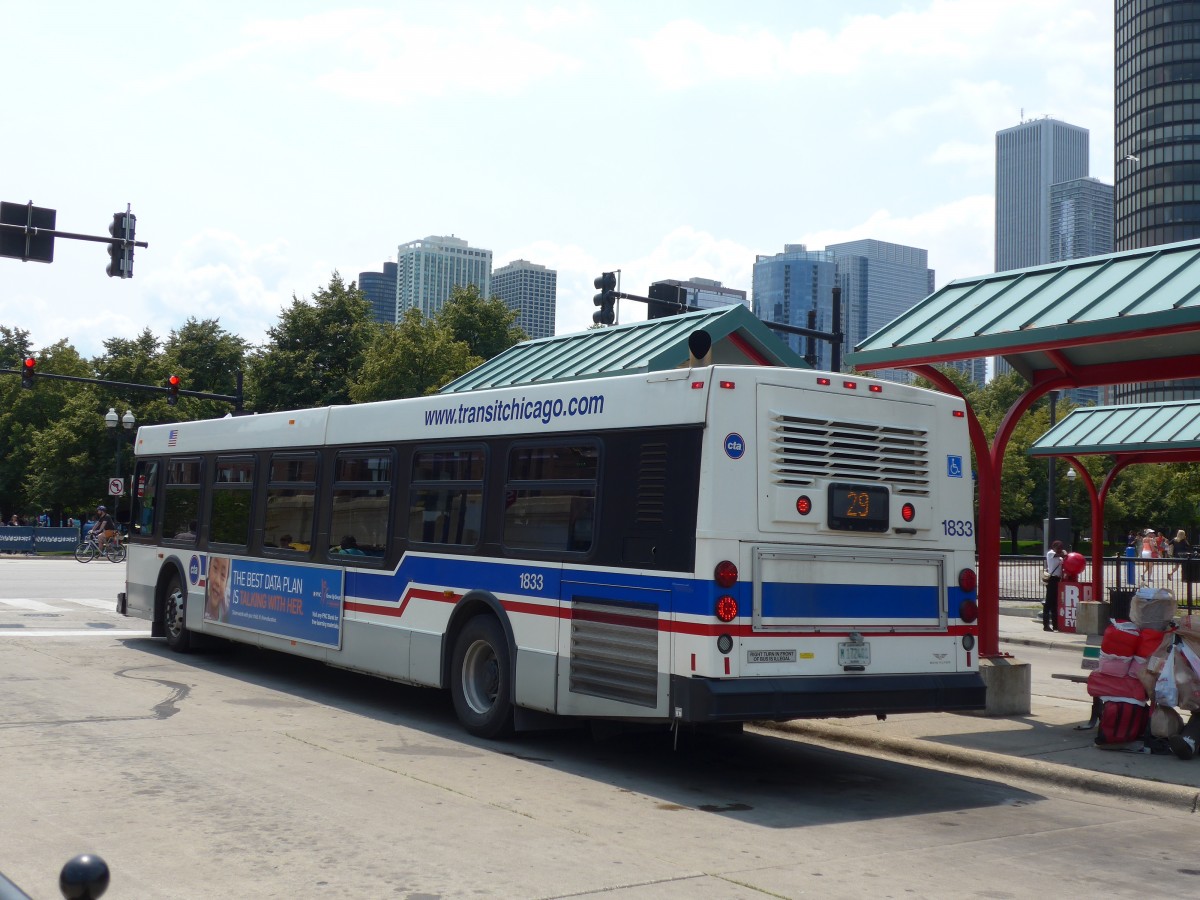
<point>264,146</point>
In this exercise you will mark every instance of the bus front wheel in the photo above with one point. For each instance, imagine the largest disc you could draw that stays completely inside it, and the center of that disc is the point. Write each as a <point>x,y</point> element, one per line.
<point>480,679</point>
<point>174,609</point>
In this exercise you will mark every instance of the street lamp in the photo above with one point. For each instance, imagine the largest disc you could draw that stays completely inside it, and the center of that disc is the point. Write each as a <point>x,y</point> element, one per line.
<point>127,421</point>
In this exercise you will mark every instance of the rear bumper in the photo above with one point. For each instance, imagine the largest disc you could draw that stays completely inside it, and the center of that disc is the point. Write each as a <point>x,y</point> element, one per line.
<point>781,699</point>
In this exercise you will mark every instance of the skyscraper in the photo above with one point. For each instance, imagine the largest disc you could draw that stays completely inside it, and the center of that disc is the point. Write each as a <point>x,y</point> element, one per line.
<point>380,290</point>
<point>702,293</point>
<point>1081,219</point>
<point>879,281</point>
<point>1157,139</point>
<point>787,285</point>
<point>1029,158</point>
<point>427,270</point>
<point>1157,143</point>
<point>532,289</point>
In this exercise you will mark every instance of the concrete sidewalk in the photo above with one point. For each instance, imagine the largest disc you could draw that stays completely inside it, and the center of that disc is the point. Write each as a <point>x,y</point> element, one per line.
<point>1045,746</point>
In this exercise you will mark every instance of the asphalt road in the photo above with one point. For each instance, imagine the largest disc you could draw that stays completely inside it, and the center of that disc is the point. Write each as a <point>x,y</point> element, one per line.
<point>237,773</point>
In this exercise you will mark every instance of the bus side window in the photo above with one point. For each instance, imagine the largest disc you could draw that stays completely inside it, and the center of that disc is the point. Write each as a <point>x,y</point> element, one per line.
<point>182,495</point>
<point>291,502</point>
<point>145,488</point>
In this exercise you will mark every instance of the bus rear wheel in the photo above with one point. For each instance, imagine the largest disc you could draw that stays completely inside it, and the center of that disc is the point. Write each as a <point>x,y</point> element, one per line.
<point>174,610</point>
<point>480,679</point>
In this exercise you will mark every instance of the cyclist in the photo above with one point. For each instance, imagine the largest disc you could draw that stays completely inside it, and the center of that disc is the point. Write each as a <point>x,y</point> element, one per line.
<point>105,528</point>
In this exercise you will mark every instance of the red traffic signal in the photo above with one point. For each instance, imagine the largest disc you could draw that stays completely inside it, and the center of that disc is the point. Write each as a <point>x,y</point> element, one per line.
<point>172,390</point>
<point>28,370</point>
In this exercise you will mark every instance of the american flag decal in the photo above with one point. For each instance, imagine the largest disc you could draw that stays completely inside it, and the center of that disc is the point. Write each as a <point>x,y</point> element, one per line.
<point>172,437</point>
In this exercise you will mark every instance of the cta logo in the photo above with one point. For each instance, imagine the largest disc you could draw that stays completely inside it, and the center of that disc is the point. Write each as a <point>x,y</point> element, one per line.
<point>734,445</point>
<point>194,570</point>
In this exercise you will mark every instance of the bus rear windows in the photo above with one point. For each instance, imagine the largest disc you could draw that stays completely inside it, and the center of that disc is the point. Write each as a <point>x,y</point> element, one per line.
<point>550,497</point>
<point>858,507</point>
<point>445,501</point>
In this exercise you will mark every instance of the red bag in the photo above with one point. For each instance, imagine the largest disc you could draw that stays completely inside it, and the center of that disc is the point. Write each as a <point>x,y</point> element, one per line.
<point>1122,723</point>
<point>1120,639</point>
<point>1148,642</point>
<point>1126,687</point>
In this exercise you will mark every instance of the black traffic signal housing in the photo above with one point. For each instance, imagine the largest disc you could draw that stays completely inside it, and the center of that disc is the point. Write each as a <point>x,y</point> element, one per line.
<point>120,252</point>
<point>172,390</point>
<point>607,283</point>
<point>28,370</point>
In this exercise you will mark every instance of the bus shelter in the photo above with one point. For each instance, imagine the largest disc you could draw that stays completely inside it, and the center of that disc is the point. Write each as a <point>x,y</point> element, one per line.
<point>1119,318</point>
<point>1131,435</point>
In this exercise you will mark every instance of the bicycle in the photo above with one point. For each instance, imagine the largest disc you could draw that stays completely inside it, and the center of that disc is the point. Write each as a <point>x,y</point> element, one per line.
<point>89,549</point>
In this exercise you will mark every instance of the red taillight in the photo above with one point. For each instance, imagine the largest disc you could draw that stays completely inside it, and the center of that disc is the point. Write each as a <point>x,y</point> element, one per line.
<point>727,608</point>
<point>959,414</point>
<point>725,574</point>
<point>824,382</point>
<point>908,512</point>
<point>850,385</point>
<point>967,580</point>
<point>727,385</point>
<point>968,611</point>
<point>876,389</point>
<point>697,385</point>
<point>803,505</point>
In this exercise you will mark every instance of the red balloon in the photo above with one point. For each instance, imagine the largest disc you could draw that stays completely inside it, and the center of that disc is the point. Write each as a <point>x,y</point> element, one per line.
<point>1074,563</point>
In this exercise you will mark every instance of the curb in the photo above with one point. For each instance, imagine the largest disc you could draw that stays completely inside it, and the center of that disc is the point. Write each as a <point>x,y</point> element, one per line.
<point>1178,796</point>
<point>1073,646</point>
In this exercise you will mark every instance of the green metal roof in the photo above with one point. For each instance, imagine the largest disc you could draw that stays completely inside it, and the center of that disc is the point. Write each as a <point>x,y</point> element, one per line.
<point>738,338</point>
<point>1150,428</point>
<point>1125,307</point>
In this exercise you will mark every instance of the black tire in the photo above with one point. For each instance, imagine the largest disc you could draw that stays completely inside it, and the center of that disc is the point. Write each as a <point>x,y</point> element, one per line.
<point>175,627</point>
<point>115,552</point>
<point>85,552</point>
<point>480,679</point>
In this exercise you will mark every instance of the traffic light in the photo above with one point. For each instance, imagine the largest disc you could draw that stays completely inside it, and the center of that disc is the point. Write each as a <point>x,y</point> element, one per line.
<point>607,283</point>
<point>120,252</point>
<point>28,370</point>
<point>172,390</point>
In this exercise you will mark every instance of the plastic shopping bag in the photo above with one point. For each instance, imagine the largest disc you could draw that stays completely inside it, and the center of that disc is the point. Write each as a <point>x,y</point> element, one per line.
<point>1165,690</point>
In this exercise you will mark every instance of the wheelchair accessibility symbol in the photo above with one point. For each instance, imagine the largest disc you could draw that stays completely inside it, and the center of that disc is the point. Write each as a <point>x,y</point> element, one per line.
<point>954,467</point>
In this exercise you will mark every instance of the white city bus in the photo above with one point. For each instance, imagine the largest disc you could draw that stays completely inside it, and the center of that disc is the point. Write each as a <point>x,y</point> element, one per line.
<point>706,545</point>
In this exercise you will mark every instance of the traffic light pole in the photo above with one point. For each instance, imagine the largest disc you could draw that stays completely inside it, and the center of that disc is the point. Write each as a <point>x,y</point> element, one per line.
<point>33,231</point>
<point>235,399</point>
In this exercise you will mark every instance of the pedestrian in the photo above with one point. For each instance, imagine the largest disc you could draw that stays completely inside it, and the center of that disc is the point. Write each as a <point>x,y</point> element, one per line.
<point>1149,554</point>
<point>1162,545</point>
<point>1054,572</point>
<point>1180,549</point>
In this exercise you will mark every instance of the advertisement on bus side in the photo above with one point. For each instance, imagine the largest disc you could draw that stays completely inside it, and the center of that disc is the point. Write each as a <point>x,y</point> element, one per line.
<point>301,603</point>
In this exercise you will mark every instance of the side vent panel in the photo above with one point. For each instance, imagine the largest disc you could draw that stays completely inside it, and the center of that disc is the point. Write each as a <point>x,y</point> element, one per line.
<point>614,651</point>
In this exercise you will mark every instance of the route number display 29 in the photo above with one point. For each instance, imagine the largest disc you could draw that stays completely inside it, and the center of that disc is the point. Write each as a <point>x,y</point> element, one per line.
<point>858,507</point>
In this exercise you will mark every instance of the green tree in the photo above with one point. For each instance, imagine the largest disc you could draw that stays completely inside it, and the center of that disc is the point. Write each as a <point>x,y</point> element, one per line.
<point>411,359</point>
<point>487,327</point>
<point>314,353</point>
<point>72,458</point>
<point>24,413</point>
<point>207,358</point>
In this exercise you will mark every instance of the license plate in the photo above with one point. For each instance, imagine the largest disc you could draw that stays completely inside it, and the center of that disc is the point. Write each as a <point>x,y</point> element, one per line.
<point>852,654</point>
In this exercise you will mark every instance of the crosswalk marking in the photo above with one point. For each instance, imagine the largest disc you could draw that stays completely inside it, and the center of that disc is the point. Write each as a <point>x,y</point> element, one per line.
<point>31,605</point>
<point>68,632</point>
<point>28,604</point>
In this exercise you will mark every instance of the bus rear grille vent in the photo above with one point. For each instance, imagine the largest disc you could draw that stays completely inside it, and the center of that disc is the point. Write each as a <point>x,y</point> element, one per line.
<point>614,653</point>
<point>651,485</point>
<point>806,448</point>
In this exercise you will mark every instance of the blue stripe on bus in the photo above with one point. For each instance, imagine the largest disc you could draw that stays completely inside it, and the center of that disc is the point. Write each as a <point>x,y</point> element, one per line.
<point>684,596</point>
<point>841,601</point>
